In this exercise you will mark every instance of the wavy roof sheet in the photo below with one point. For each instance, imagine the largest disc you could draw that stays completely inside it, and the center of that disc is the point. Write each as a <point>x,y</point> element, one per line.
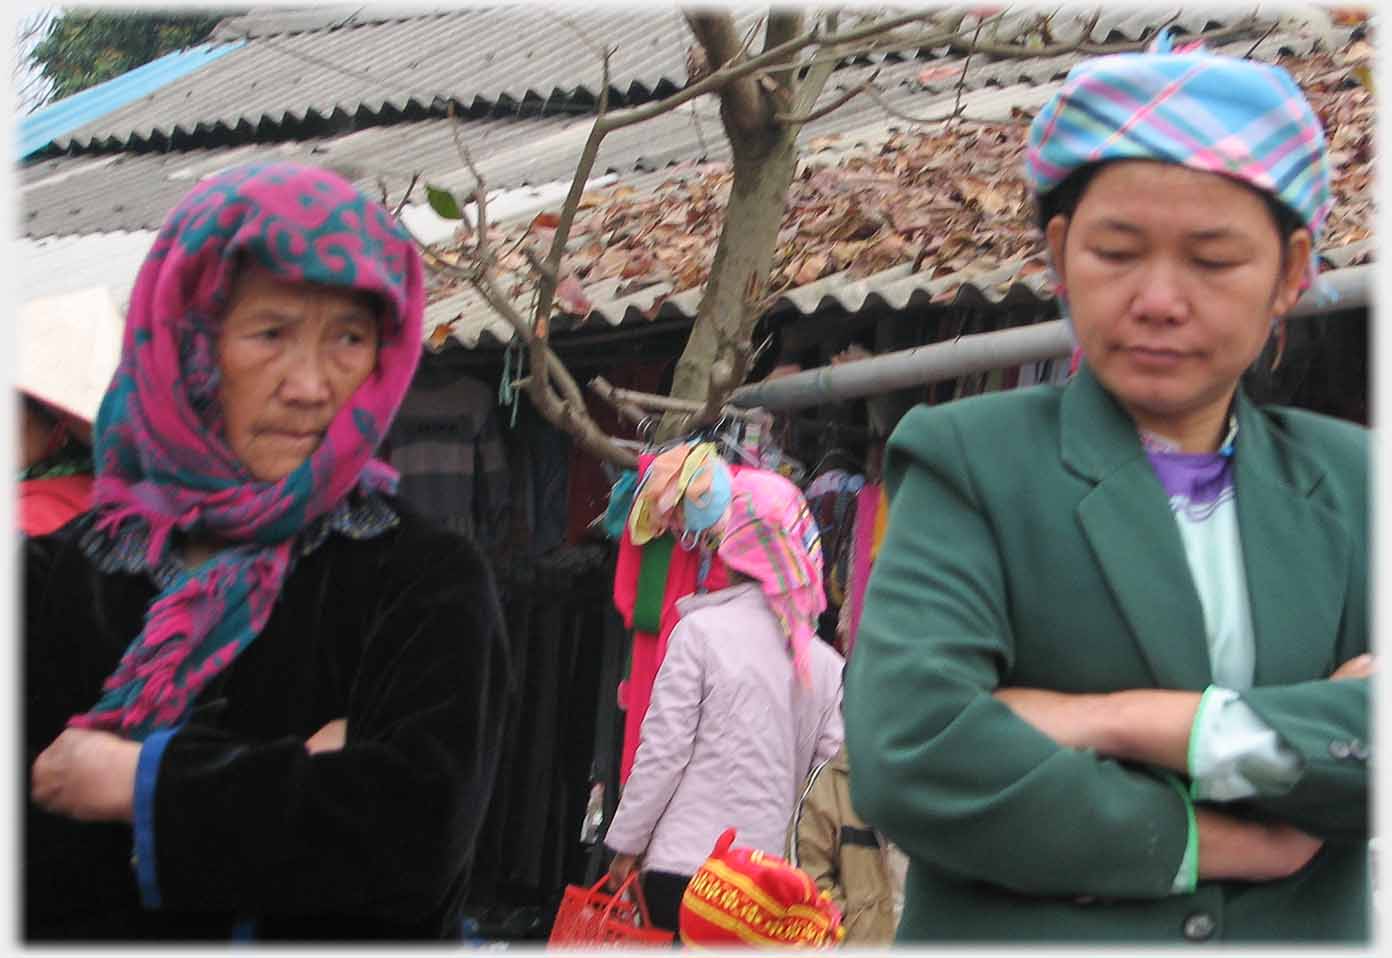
<point>315,72</point>
<point>129,191</point>
<point>518,60</point>
<point>132,191</point>
<point>42,127</point>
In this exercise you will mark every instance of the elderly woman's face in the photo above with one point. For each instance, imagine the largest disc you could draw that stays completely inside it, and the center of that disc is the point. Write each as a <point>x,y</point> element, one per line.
<point>290,355</point>
<point>1173,277</point>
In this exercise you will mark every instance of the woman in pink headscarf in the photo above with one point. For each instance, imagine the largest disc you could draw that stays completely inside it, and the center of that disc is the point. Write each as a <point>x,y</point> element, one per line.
<point>746,703</point>
<point>259,692</point>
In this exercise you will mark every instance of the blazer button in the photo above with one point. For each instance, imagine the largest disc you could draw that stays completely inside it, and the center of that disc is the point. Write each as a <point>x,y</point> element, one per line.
<point>1339,749</point>
<point>1200,926</point>
<point>1359,751</point>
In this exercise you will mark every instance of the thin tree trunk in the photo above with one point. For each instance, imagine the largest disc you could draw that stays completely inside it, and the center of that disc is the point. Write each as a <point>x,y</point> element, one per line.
<point>763,171</point>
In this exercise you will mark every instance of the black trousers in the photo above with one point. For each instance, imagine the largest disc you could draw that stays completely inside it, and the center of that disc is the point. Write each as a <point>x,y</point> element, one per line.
<point>663,893</point>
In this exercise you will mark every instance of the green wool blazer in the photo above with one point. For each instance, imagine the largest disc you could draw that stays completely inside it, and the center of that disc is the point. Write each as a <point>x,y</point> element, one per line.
<point>1031,544</point>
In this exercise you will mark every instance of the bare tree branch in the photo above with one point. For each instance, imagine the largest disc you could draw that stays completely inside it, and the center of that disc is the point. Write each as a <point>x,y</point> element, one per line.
<point>836,104</point>
<point>966,62</point>
<point>783,25</point>
<point>562,406</point>
<point>614,396</point>
<point>741,102</point>
<point>815,78</point>
<point>1253,49</point>
<point>877,95</point>
<point>771,94</point>
<point>882,41</point>
<point>405,197</point>
<point>718,79</point>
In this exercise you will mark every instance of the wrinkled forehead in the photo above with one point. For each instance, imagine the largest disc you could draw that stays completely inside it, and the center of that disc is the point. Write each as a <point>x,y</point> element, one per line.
<point>300,224</point>
<point>251,281</point>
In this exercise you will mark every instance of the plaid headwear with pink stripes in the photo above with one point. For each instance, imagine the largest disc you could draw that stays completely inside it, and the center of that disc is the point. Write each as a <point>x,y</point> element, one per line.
<point>1219,114</point>
<point>769,534</point>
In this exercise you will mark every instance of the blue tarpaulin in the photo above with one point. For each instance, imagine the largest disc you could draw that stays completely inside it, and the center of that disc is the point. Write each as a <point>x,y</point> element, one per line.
<point>43,126</point>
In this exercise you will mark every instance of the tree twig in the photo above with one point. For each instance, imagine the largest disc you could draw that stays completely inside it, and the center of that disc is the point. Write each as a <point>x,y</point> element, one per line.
<point>962,80</point>
<point>742,102</point>
<point>831,107</point>
<point>410,187</point>
<point>727,74</point>
<point>784,24</point>
<point>614,395</point>
<point>562,405</point>
<point>1253,49</point>
<point>875,94</point>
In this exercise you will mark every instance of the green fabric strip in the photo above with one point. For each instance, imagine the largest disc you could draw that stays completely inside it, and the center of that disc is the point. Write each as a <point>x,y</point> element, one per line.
<point>1187,878</point>
<point>652,584</point>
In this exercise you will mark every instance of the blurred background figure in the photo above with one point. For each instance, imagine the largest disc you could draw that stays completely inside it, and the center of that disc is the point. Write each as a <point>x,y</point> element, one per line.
<point>861,870</point>
<point>55,466</point>
<point>746,702</point>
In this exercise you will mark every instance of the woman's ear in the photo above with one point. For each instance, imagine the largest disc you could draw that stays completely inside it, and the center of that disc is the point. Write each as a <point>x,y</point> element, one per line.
<point>1293,266</point>
<point>1055,237</point>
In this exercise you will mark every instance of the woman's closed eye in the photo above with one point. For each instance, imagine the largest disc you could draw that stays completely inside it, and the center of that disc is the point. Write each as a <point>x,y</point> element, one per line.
<point>1215,264</point>
<point>1114,254</point>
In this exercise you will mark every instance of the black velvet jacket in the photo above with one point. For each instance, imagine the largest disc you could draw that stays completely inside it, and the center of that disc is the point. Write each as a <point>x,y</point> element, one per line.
<point>400,633</point>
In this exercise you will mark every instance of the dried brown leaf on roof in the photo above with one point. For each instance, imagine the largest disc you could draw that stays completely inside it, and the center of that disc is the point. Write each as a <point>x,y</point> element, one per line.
<point>943,199</point>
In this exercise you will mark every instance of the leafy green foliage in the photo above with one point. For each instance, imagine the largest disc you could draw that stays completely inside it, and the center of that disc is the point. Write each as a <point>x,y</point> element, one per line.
<point>86,47</point>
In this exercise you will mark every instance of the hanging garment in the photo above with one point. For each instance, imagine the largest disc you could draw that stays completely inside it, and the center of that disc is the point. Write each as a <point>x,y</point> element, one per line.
<point>446,445</point>
<point>830,497</point>
<point>683,577</point>
<point>867,520</point>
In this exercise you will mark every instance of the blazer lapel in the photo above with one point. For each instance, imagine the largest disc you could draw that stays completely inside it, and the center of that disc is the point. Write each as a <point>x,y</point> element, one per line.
<point>1127,521</point>
<point>1297,555</point>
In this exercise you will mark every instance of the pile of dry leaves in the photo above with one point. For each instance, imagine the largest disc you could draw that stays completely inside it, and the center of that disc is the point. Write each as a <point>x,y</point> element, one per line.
<point>946,200</point>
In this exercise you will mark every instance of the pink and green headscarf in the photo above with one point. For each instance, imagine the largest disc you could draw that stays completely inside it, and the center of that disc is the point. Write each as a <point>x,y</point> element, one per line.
<point>162,463</point>
<point>769,534</point>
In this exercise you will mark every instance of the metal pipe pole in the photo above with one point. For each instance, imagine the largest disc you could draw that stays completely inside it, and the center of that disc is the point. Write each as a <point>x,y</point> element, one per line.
<point>1339,289</point>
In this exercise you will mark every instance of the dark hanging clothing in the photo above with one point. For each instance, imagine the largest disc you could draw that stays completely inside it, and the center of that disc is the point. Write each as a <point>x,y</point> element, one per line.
<point>248,834</point>
<point>446,444</point>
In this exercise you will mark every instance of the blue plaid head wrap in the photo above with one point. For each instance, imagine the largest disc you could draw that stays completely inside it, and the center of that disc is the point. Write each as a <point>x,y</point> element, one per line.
<point>1218,114</point>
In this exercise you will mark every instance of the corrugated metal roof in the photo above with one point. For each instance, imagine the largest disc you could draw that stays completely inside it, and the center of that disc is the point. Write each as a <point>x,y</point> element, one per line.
<point>42,127</point>
<point>274,21</point>
<point>1016,281</point>
<point>135,191</point>
<point>65,194</point>
<point>306,73</point>
<point>516,60</point>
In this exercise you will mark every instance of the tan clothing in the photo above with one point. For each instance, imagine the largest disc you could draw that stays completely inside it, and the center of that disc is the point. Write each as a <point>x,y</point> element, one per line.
<point>847,858</point>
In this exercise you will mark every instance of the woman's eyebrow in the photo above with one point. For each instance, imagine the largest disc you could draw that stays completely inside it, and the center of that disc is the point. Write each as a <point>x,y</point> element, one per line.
<point>1120,225</point>
<point>1216,233</point>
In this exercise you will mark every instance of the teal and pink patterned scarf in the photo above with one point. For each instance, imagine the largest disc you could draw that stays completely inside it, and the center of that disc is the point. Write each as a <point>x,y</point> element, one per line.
<point>162,464</point>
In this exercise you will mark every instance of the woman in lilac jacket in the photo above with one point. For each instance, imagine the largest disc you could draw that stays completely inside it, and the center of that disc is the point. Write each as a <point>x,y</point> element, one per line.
<point>746,703</point>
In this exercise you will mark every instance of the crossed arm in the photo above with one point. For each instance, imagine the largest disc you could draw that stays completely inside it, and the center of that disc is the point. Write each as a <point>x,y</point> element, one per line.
<point>89,775</point>
<point>1153,727</point>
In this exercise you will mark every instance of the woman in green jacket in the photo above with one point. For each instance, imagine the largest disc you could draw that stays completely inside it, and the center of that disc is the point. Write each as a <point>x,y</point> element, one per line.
<point>1111,682</point>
